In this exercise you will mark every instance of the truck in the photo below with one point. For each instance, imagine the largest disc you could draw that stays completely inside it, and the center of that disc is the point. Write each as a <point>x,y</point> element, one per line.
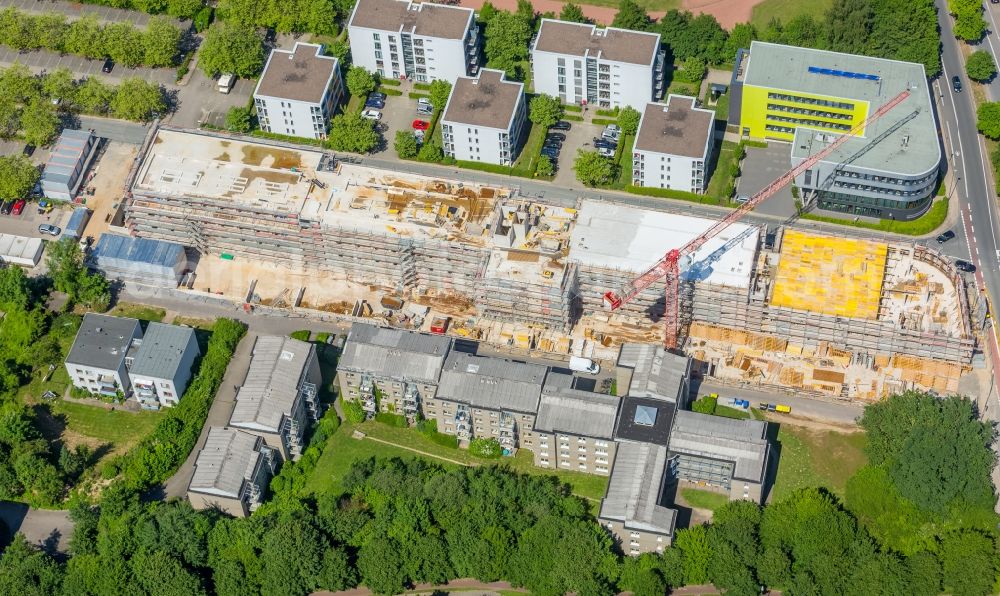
<point>226,82</point>
<point>586,365</point>
<point>440,324</point>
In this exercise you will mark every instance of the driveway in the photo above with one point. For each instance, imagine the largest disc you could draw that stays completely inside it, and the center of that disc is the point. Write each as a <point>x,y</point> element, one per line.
<point>27,223</point>
<point>46,528</point>
<point>761,167</point>
<point>41,61</point>
<point>200,102</point>
<point>121,131</point>
<point>398,114</point>
<point>581,136</point>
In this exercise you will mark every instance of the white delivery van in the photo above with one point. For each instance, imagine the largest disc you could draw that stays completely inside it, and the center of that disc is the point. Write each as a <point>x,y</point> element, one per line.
<point>584,365</point>
<point>226,82</point>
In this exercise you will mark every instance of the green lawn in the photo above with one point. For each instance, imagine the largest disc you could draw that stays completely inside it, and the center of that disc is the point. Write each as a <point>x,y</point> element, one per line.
<point>786,10</point>
<point>525,163</point>
<point>721,177</point>
<point>57,383</point>
<point>138,311</point>
<point>816,458</point>
<point>203,324</point>
<point>727,412</point>
<point>117,427</point>
<point>703,499</point>
<point>925,224</point>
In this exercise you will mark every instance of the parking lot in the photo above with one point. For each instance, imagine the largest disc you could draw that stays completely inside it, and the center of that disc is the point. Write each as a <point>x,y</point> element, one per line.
<point>762,166</point>
<point>200,101</point>
<point>398,114</point>
<point>581,136</point>
<point>73,11</point>
<point>42,61</point>
<point>27,223</point>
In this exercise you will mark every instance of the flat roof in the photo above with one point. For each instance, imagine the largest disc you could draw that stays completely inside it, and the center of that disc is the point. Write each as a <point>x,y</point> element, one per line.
<point>491,383</point>
<point>610,43</point>
<point>563,409</point>
<point>70,149</point>
<point>612,236</point>
<point>677,127</point>
<point>162,350</point>
<point>743,442</point>
<point>656,373</point>
<point>227,460</point>
<point>807,70</point>
<point>488,100</point>
<point>272,384</point>
<point>634,495</point>
<point>424,19</point>
<point>20,249</point>
<point>394,353</point>
<point>645,419</point>
<point>103,341</point>
<point>300,74</point>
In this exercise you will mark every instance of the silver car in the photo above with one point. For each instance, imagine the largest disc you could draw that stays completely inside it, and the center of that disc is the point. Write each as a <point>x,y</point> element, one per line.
<point>49,229</point>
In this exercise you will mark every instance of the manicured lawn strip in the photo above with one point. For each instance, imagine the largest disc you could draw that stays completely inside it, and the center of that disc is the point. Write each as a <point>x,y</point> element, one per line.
<point>722,176</point>
<point>727,412</point>
<point>138,311</point>
<point>525,163</point>
<point>786,10</point>
<point>816,458</point>
<point>118,427</point>
<point>925,224</point>
<point>623,161</point>
<point>703,499</point>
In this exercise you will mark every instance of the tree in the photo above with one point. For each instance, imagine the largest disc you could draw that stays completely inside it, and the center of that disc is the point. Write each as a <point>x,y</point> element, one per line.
<point>705,404</point>
<point>360,82</point>
<point>138,99</point>
<point>969,562</point>
<point>970,27</point>
<point>68,273</point>
<point>231,49</point>
<point>380,566</point>
<point>544,167</point>
<point>160,573</point>
<point>507,38</point>
<point>84,38</point>
<point>739,38</point>
<point>17,177</point>
<point>160,41</point>
<point>592,169</point>
<point>545,110</point>
<point>631,16</point>
<point>25,569</point>
<point>59,84</point>
<point>123,43</point>
<point>486,12</point>
<point>439,93</point>
<point>693,543</point>
<point>94,96</point>
<point>849,26</point>
<point>431,152</point>
<point>988,119</point>
<point>292,555</point>
<point>39,123</point>
<point>239,119</point>
<point>693,70</point>
<point>572,13</point>
<point>980,66</point>
<point>628,120</point>
<point>351,132</point>
<point>405,144</point>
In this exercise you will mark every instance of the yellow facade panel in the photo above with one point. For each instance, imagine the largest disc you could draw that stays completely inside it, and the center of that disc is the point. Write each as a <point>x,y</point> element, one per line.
<point>809,110</point>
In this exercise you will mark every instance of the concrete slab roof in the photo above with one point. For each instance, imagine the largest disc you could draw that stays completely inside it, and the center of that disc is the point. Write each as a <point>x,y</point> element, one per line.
<point>563,409</point>
<point>743,442</point>
<point>656,373</point>
<point>272,384</point>
<point>103,341</point>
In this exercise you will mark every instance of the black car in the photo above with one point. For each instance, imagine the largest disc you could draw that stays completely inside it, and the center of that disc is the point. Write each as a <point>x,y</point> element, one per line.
<point>374,102</point>
<point>956,84</point>
<point>553,143</point>
<point>945,237</point>
<point>965,266</point>
<point>561,125</point>
<point>550,153</point>
<point>6,208</point>
<point>109,65</point>
<point>558,136</point>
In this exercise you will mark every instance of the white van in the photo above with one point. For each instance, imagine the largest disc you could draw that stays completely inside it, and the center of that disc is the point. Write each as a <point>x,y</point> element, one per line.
<point>226,82</point>
<point>584,365</point>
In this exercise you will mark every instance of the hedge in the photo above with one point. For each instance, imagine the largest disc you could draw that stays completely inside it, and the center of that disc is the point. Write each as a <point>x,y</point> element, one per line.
<point>415,95</point>
<point>301,335</point>
<point>422,86</point>
<point>572,118</point>
<point>572,107</point>
<point>396,420</point>
<point>669,193</point>
<point>390,82</point>
<point>390,92</point>
<point>605,121</point>
<point>925,224</point>
<point>757,144</point>
<point>613,113</point>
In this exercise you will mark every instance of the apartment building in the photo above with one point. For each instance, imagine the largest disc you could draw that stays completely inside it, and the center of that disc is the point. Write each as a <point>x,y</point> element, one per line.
<point>575,428</point>
<point>485,119</point>
<point>298,91</point>
<point>280,394</point>
<point>421,41</point>
<point>161,367</point>
<point>391,370</point>
<point>232,472</point>
<point>647,370</point>
<point>97,359</point>
<point>605,67</point>
<point>673,145</point>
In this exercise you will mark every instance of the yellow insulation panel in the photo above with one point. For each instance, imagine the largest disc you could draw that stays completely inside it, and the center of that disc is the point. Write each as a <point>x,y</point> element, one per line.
<point>833,276</point>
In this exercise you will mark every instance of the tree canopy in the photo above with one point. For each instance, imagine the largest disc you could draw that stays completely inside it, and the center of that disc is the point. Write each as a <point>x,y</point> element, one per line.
<point>572,13</point>
<point>631,16</point>
<point>980,66</point>
<point>507,37</point>
<point>593,169</point>
<point>544,110</point>
<point>360,82</point>
<point>351,132</point>
<point>231,49</point>
<point>17,177</point>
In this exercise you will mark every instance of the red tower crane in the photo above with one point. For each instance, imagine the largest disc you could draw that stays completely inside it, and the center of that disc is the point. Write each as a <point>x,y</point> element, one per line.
<point>669,266</point>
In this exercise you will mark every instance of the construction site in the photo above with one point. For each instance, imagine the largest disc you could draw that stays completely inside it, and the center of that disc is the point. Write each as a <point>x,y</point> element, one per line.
<point>299,229</point>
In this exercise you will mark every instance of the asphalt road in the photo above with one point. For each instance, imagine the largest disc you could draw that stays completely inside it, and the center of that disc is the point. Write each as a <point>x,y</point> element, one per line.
<point>838,412</point>
<point>47,528</point>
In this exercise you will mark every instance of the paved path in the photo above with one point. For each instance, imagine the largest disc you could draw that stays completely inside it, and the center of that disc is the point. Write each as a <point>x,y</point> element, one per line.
<point>48,528</point>
<point>836,411</point>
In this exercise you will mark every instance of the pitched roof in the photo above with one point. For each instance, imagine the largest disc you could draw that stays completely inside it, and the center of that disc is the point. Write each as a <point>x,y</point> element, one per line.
<point>568,410</point>
<point>426,19</point>
<point>103,341</point>
<point>635,489</point>
<point>227,460</point>
<point>677,127</point>
<point>656,373</point>
<point>272,384</point>
<point>741,441</point>
<point>394,353</point>
<point>611,43</point>
<point>162,350</point>
<point>491,383</point>
<point>488,100</point>
<point>302,74</point>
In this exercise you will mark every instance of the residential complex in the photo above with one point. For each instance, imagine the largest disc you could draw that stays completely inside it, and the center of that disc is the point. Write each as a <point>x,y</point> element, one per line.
<point>673,145</point>
<point>298,91</point>
<point>232,472</point>
<point>68,160</point>
<point>811,97</point>
<point>485,119</point>
<point>280,394</point>
<point>574,428</point>
<point>161,367</point>
<point>97,359</point>
<point>604,67</point>
<point>421,41</point>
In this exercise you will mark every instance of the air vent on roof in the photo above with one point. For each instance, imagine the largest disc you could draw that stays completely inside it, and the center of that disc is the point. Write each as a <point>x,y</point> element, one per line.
<point>286,355</point>
<point>472,368</point>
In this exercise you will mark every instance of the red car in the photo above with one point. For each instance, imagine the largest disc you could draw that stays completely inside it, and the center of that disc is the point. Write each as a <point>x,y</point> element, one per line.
<point>421,125</point>
<point>18,207</point>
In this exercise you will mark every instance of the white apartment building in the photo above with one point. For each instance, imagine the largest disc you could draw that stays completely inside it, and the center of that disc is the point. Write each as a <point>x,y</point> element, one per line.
<point>673,145</point>
<point>421,41</point>
<point>608,68</point>
<point>485,119</point>
<point>161,368</point>
<point>298,91</point>
<point>97,360</point>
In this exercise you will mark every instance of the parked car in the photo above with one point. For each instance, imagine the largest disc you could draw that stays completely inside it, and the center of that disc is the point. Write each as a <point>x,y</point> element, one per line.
<point>108,66</point>
<point>555,136</point>
<point>945,237</point>
<point>552,143</point>
<point>18,207</point>
<point>561,125</point>
<point>424,103</point>
<point>6,207</point>
<point>377,95</point>
<point>371,114</point>
<point>374,102</point>
<point>606,151</point>
<point>49,229</point>
<point>956,84</point>
<point>44,206</point>
<point>611,135</point>
<point>421,124</point>
<point>424,110</point>
<point>552,154</point>
<point>964,266</point>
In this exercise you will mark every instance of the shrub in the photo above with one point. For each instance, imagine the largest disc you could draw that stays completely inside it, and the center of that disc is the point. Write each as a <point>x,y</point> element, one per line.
<point>353,411</point>
<point>301,335</point>
<point>705,405</point>
<point>202,19</point>
<point>395,420</point>
<point>322,337</point>
<point>544,166</point>
<point>485,448</point>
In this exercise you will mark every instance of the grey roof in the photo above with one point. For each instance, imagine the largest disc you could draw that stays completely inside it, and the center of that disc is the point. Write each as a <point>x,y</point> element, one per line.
<point>563,409</point>
<point>741,441</point>
<point>228,459</point>
<point>394,353</point>
<point>488,100</point>
<point>645,419</point>
<point>635,489</point>
<point>119,255</point>
<point>272,384</point>
<point>611,43</point>
<point>426,19</point>
<point>69,151</point>
<point>103,341</point>
<point>677,127</point>
<point>162,350</point>
<point>492,383</point>
<point>787,68</point>
<point>302,74</point>
<point>656,372</point>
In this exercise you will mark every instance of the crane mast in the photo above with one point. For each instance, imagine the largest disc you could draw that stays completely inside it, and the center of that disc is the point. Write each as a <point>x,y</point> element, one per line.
<point>668,266</point>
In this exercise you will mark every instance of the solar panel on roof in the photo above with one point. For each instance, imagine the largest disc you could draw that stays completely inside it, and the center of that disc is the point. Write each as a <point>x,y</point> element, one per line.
<point>843,73</point>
